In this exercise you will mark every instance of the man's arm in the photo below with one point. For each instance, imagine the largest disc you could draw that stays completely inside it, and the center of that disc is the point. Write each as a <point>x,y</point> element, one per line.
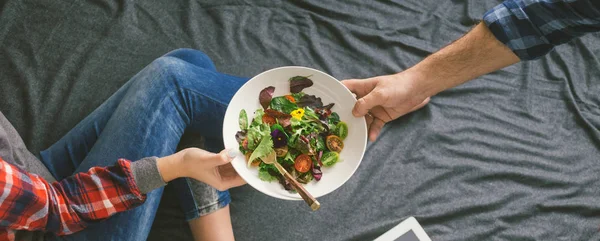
<point>475,54</point>
<point>512,31</point>
<point>527,28</point>
<point>391,96</point>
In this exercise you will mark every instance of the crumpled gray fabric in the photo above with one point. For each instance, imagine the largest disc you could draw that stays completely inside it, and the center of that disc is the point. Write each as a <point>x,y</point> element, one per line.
<point>512,155</point>
<point>14,151</point>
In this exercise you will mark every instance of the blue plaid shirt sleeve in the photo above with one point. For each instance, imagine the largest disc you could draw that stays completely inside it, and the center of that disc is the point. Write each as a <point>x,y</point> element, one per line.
<point>532,28</point>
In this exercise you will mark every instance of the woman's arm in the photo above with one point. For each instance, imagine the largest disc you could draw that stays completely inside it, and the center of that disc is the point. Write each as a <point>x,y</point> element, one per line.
<point>28,202</point>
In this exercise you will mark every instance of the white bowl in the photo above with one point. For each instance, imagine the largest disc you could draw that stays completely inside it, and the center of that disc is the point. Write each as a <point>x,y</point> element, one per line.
<point>331,91</point>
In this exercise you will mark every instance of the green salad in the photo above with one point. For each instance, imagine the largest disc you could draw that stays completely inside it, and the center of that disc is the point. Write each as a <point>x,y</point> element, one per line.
<point>305,134</point>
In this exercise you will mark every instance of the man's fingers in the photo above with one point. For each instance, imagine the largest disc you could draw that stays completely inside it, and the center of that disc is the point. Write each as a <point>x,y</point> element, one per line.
<point>360,87</point>
<point>369,119</point>
<point>351,84</point>
<point>375,129</point>
<point>367,102</point>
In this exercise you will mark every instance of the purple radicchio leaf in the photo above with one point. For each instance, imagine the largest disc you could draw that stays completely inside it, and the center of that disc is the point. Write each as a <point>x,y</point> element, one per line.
<point>303,145</point>
<point>325,126</point>
<point>285,183</point>
<point>285,121</point>
<point>316,172</point>
<point>240,136</point>
<point>319,158</point>
<point>328,107</point>
<point>298,83</point>
<point>277,114</point>
<point>324,112</point>
<point>265,96</point>
<point>283,118</point>
<point>310,101</point>
<point>282,180</point>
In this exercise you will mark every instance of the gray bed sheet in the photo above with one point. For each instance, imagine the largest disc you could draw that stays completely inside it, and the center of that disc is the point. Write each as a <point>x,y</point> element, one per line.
<point>513,155</point>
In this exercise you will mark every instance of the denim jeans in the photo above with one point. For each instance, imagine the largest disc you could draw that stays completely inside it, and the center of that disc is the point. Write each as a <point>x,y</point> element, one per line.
<point>181,91</point>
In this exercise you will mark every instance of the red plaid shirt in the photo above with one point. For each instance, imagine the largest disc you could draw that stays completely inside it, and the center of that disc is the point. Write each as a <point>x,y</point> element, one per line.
<point>28,202</point>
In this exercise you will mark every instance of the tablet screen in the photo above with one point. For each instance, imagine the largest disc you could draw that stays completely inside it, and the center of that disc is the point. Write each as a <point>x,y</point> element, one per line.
<point>408,236</point>
<point>407,230</point>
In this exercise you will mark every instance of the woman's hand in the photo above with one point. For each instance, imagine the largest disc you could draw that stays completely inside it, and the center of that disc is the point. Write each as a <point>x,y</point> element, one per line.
<point>385,98</point>
<point>214,169</point>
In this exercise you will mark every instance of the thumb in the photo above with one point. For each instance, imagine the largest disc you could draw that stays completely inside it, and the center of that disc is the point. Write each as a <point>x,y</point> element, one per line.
<point>360,87</point>
<point>351,84</point>
<point>222,158</point>
<point>366,103</point>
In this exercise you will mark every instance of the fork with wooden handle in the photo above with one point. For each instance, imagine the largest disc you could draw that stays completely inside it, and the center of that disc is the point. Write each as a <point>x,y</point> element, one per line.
<point>308,198</point>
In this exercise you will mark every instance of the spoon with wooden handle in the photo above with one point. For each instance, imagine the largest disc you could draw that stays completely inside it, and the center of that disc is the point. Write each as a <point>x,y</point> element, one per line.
<point>308,198</point>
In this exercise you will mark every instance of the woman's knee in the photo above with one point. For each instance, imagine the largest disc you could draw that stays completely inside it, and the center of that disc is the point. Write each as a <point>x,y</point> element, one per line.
<point>192,56</point>
<point>169,73</point>
<point>163,74</point>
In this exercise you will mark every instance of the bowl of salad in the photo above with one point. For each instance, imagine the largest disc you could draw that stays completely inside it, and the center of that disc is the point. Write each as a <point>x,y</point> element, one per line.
<point>302,118</point>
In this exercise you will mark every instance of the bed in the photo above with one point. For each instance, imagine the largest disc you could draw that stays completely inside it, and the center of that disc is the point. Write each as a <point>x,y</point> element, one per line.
<point>513,155</point>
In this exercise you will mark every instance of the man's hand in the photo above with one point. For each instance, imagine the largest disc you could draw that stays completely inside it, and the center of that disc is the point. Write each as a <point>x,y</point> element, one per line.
<point>214,169</point>
<point>391,96</point>
<point>385,98</point>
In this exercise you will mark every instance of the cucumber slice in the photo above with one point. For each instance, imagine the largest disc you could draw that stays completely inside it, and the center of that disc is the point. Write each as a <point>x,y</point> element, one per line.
<point>330,158</point>
<point>341,130</point>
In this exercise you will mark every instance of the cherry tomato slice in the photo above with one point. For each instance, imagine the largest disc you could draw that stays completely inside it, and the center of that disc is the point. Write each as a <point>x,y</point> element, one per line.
<point>303,163</point>
<point>254,163</point>
<point>245,144</point>
<point>334,143</point>
<point>290,98</point>
<point>269,120</point>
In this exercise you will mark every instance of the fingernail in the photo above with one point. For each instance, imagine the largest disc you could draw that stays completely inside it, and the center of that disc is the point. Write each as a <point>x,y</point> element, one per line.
<point>232,153</point>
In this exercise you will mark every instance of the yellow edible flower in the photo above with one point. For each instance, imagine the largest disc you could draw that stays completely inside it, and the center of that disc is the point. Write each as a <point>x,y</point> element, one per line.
<point>298,113</point>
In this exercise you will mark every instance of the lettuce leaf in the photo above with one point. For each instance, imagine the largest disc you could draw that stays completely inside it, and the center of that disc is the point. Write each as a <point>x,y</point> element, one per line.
<point>255,135</point>
<point>308,112</point>
<point>263,149</point>
<point>263,174</point>
<point>258,114</point>
<point>288,158</point>
<point>257,130</point>
<point>243,120</point>
<point>282,104</point>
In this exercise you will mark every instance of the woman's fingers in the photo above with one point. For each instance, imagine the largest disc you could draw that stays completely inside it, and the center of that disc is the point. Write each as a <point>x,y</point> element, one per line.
<point>229,177</point>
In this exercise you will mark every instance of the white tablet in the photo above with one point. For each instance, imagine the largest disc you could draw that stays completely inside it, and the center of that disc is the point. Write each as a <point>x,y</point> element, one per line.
<point>408,230</point>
